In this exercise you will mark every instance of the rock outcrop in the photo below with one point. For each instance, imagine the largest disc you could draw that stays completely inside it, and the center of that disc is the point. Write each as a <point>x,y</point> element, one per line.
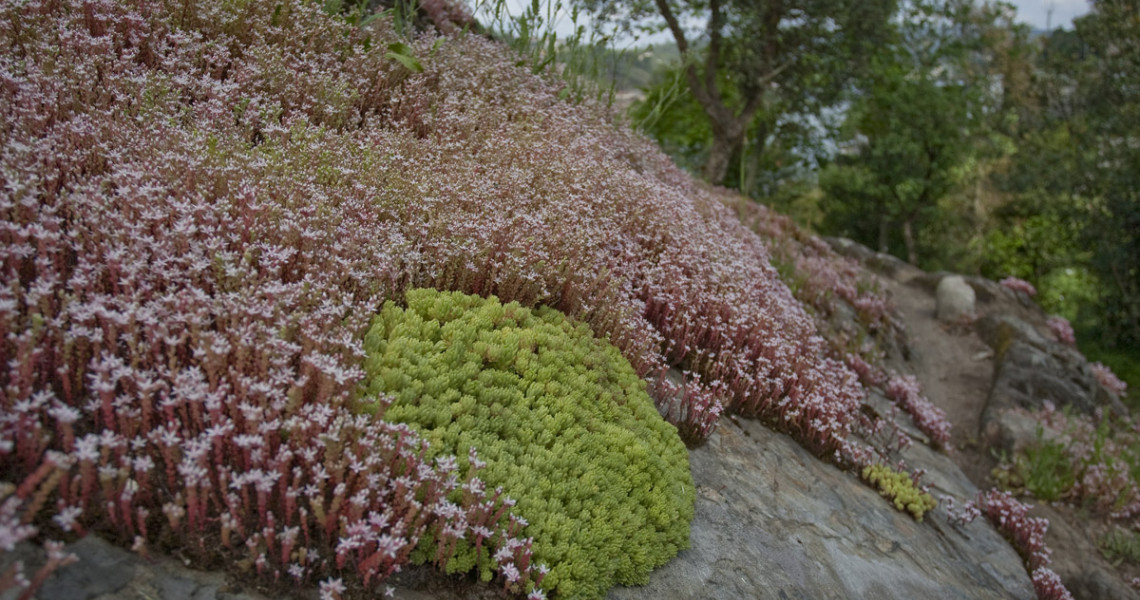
<point>1031,370</point>
<point>773,521</point>
<point>107,572</point>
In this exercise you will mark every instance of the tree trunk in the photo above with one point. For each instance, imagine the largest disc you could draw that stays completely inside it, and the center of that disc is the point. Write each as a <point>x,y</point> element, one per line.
<point>908,237</point>
<point>729,126</point>
<point>728,135</point>
<point>716,167</point>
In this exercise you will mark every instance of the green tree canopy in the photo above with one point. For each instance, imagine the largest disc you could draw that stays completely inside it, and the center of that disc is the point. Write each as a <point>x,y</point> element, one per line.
<point>752,56</point>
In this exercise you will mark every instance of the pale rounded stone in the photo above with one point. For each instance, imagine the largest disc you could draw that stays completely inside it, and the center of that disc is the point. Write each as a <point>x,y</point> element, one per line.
<point>955,298</point>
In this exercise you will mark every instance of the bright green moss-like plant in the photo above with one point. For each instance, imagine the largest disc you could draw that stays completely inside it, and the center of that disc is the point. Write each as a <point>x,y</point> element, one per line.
<point>899,488</point>
<point>563,422</point>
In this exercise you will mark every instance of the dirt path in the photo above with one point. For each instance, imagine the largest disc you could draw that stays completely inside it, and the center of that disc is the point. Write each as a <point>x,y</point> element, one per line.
<point>955,369</point>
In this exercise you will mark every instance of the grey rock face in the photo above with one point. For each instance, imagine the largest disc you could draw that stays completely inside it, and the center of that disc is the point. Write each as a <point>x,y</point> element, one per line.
<point>1086,579</point>
<point>107,572</point>
<point>1029,370</point>
<point>955,299</point>
<point>880,262</point>
<point>773,521</point>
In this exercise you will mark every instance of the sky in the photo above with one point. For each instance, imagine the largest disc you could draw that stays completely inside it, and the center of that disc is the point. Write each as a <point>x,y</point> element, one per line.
<point>1035,12</point>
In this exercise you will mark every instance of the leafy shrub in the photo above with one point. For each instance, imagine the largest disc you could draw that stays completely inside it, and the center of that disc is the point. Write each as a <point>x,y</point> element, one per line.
<point>562,420</point>
<point>899,487</point>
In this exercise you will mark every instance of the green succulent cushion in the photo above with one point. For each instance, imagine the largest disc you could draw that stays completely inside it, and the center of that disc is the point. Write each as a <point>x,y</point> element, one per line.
<point>560,417</point>
<point>899,488</point>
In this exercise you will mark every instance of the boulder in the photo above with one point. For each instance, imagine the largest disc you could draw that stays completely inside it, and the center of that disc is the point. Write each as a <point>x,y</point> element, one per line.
<point>773,521</point>
<point>955,299</point>
<point>1086,579</point>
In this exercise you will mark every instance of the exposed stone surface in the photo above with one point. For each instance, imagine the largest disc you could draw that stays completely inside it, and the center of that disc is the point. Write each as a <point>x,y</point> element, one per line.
<point>1086,579</point>
<point>955,299</point>
<point>1015,329</point>
<point>772,521</point>
<point>953,365</point>
<point>107,572</point>
<point>880,262</point>
<point>1029,371</point>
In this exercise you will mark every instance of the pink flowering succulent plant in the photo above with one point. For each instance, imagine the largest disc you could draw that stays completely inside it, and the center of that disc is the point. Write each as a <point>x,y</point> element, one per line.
<point>1062,330</point>
<point>1019,285</point>
<point>1108,379</point>
<point>1101,455</point>
<point>192,249</point>
<point>1027,535</point>
<point>906,391</point>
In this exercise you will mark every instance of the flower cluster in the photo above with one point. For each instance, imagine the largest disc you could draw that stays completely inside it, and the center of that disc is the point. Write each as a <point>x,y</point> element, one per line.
<point>14,530</point>
<point>1019,285</point>
<point>1048,585</point>
<point>1027,534</point>
<point>852,312</point>
<point>1108,380</point>
<point>448,16</point>
<point>870,375</point>
<point>960,515</point>
<point>693,407</point>
<point>1062,330</point>
<point>1011,518</point>
<point>180,333</point>
<point>906,391</point>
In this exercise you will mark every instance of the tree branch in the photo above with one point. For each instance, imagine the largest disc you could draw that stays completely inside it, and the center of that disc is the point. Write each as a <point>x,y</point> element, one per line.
<point>716,23</point>
<point>710,102</point>
<point>754,102</point>
<point>674,26</point>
